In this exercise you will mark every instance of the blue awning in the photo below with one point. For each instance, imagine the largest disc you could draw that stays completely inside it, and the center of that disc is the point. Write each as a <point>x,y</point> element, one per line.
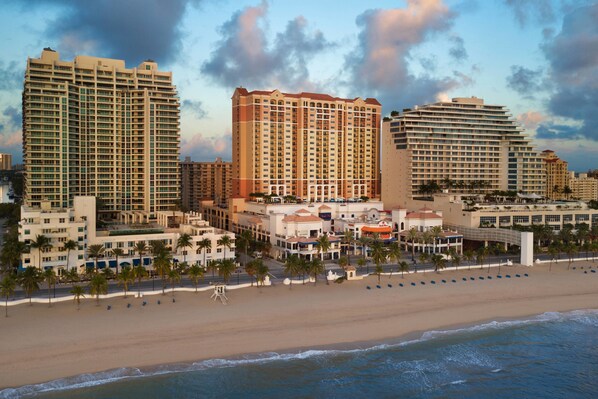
<point>175,260</point>
<point>89,265</point>
<point>101,264</point>
<point>135,262</point>
<point>112,263</point>
<point>124,264</point>
<point>146,261</point>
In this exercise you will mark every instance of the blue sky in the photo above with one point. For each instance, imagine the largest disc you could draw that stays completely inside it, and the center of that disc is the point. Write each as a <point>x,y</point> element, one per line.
<point>537,57</point>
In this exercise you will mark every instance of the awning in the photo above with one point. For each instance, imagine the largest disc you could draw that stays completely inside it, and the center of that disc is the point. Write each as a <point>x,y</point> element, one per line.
<point>112,263</point>
<point>89,265</point>
<point>101,264</point>
<point>135,262</point>
<point>147,261</point>
<point>125,264</point>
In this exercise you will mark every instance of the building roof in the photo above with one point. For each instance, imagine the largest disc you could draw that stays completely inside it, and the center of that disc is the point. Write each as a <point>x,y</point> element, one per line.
<point>314,96</point>
<point>422,215</point>
<point>302,210</point>
<point>301,219</point>
<point>324,207</point>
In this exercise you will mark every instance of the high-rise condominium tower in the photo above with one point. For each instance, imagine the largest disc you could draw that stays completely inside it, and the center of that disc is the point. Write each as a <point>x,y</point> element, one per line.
<point>557,175</point>
<point>465,144</point>
<point>205,181</point>
<point>94,127</point>
<point>313,146</point>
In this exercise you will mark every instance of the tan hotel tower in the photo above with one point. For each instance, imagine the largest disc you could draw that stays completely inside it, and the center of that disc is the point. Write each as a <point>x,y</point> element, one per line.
<point>94,127</point>
<point>313,146</point>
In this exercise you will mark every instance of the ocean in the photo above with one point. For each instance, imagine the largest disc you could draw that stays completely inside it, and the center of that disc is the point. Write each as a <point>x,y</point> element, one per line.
<point>554,355</point>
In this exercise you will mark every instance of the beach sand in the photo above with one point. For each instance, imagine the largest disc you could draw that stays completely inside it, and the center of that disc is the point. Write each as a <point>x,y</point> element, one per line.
<point>41,344</point>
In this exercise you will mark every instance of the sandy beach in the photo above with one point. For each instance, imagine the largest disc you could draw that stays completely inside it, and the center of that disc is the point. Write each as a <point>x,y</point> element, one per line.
<point>41,344</point>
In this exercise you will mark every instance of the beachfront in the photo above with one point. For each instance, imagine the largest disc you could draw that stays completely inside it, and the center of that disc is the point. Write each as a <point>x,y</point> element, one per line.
<point>42,344</point>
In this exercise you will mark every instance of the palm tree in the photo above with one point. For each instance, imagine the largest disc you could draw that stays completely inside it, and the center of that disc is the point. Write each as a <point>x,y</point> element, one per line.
<point>195,274</point>
<point>426,239</point>
<point>456,259</point>
<point>108,273</point>
<point>251,268</point>
<point>141,248</point>
<point>94,252</point>
<point>29,280</point>
<point>567,191</point>
<point>481,256</point>
<point>378,255</point>
<point>7,288</point>
<point>261,272</point>
<point>117,252</point>
<point>423,258</point>
<point>41,243</point>
<point>174,277</point>
<point>77,292</point>
<point>68,247</point>
<point>98,286</point>
<point>412,235</point>
<point>343,262</point>
<point>184,242</point>
<point>316,266</point>
<point>50,278</point>
<point>204,245</point>
<point>72,276</point>
<point>403,267</point>
<point>291,266</point>
<point>361,263</point>
<point>139,273</point>
<point>438,261</point>
<point>570,250</point>
<point>553,250</point>
<point>364,242</point>
<point>323,245</point>
<point>162,266</point>
<point>349,239</point>
<point>469,256</point>
<point>243,242</point>
<point>225,242</point>
<point>435,232</point>
<point>125,278</point>
<point>394,252</point>
<point>226,268</point>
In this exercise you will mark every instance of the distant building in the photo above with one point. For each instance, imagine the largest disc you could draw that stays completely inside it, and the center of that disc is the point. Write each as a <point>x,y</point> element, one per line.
<point>202,181</point>
<point>557,175</point>
<point>5,161</point>
<point>464,146</point>
<point>91,126</point>
<point>312,146</point>
<point>78,224</point>
<point>583,187</point>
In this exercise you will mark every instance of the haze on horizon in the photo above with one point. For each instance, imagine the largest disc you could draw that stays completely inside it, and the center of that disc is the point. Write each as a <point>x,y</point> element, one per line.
<point>537,57</point>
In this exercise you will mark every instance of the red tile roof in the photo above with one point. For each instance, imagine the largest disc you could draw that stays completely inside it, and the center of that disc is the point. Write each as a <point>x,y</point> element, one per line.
<point>314,96</point>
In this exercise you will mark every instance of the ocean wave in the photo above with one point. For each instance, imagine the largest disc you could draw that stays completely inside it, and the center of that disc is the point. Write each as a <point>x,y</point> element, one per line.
<point>586,317</point>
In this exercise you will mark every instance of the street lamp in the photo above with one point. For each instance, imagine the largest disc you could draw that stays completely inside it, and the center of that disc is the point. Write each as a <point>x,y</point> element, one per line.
<point>238,271</point>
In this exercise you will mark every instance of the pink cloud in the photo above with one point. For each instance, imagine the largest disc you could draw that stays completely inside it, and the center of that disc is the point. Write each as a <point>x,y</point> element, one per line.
<point>531,119</point>
<point>202,148</point>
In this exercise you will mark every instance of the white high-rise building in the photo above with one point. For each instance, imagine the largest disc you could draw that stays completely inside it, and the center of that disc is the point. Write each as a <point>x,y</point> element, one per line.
<point>464,145</point>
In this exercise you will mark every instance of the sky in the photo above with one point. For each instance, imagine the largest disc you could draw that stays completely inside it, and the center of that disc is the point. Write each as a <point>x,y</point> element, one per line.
<point>537,57</point>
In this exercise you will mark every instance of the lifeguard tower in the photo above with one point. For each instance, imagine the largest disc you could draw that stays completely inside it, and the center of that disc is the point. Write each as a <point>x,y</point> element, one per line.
<point>220,293</point>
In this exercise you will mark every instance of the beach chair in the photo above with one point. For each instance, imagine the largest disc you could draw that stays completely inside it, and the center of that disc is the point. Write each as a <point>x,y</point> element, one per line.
<point>593,271</point>
<point>481,277</point>
<point>527,275</point>
<point>499,276</point>
<point>517,275</point>
<point>158,301</point>
<point>472,278</point>
<point>489,277</point>
<point>389,285</point>
<point>423,282</point>
<point>143,303</point>
<point>454,281</point>
<point>128,305</point>
<point>108,307</point>
<point>400,284</point>
<point>508,276</point>
<point>464,278</point>
<point>368,287</point>
<point>413,284</point>
<point>433,282</point>
<point>443,281</point>
<point>377,286</point>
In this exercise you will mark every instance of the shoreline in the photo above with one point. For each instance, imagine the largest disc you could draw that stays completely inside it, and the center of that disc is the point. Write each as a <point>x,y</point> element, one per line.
<point>51,344</point>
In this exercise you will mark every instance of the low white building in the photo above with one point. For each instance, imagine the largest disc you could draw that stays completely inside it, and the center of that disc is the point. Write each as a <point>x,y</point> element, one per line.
<point>78,224</point>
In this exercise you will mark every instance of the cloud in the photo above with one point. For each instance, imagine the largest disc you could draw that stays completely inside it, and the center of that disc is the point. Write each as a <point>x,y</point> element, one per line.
<point>243,55</point>
<point>524,81</point>
<point>556,131</point>
<point>458,51</point>
<point>531,119</point>
<point>573,61</point>
<point>539,11</point>
<point>201,148</point>
<point>379,65</point>
<point>11,76</point>
<point>194,107</point>
<point>133,30</point>
<point>11,135</point>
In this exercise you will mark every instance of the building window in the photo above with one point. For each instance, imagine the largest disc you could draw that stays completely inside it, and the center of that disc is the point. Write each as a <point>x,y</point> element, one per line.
<point>520,219</point>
